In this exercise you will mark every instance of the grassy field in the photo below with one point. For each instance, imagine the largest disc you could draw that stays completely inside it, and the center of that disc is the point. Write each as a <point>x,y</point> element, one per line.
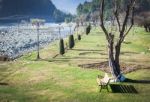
<point>60,79</point>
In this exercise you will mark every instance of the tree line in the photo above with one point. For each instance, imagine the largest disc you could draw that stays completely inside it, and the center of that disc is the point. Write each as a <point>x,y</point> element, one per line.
<point>88,8</point>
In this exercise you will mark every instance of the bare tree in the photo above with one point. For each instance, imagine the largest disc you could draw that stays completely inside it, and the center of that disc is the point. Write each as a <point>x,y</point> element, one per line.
<point>146,21</point>
<point>114,46</point>
<point>95,18</point>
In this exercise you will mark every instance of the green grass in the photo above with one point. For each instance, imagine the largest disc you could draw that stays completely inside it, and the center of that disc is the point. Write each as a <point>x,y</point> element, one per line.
<point>61,80</point>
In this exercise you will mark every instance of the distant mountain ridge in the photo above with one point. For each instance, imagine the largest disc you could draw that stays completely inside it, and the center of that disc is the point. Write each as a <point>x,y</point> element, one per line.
<point>26,9</point>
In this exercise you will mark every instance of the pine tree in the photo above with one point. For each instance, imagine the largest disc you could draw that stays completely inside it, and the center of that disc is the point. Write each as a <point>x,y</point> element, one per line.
<point>79,37</point>
<point>61,45</point>
<point>88,29</point>
<point>71,41</point>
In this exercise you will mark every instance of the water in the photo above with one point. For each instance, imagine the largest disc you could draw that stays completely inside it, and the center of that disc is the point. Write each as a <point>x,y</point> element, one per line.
<point>15,40</point>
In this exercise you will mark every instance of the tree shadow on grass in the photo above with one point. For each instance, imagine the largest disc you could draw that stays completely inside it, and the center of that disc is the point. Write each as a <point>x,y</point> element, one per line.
<point>116,88</point>
<point>128,53</point>
<point>137,81</point>
<point>92,52</point>
<point>3,84</point>
<point>69,59</point>
<point>85,50</point>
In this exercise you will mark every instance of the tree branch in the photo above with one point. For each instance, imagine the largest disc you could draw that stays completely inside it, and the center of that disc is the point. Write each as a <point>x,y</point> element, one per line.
<point>102,19</point>
<point>125,21</point>
<point>116,14</point>
<point>132,20</point>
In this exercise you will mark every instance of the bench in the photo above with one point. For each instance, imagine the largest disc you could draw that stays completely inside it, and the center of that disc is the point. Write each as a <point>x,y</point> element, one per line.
<point>103,82</point>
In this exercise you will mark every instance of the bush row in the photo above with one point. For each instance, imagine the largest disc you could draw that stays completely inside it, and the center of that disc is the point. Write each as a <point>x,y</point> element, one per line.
<point>71,41</point>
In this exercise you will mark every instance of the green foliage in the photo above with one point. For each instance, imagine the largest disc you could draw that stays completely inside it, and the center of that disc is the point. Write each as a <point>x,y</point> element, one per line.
<point>79,37</point>
<point>59,16</point>
<point>71,41</point>
<point>84,8</point>
<point>61,47</point>
<point>90,7</point>
<point>93,6</point>
<point>144,5</point>
<point>88,29</point>
<point>67,20</point>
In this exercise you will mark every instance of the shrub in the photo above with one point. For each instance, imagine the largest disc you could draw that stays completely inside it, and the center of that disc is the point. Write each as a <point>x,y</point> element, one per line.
<point>71,41</point>
<point>79,37</point>
<point>88,29</point>
<point>61,45</point>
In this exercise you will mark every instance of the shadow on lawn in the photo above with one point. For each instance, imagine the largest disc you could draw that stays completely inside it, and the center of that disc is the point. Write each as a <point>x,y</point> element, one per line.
<point>85,50</point>
<point>128,53</point>
<point>138,81</point>
<point>3,84</point>
<point>64,59</point>
<point>123,88</point>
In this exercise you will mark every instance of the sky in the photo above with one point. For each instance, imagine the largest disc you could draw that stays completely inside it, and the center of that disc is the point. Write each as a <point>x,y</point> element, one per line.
<point>68,6</point>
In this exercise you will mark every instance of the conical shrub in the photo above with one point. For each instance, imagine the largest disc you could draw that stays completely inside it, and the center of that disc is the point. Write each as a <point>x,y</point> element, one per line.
<point>71,41</point>
<point>79,37</point>
<point>88,29</point>
<point>61,47</point>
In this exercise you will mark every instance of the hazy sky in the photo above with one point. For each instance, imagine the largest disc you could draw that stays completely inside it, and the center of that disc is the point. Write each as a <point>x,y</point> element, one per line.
<point>68,5</point>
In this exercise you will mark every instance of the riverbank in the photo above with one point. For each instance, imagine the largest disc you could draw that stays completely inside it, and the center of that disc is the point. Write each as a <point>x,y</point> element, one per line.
<point>17,40</point>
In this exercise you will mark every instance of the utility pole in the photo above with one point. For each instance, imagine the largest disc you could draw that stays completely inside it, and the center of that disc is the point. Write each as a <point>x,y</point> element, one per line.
<point>37,23</point>
<point>59,30</point>
<point>38,45</point>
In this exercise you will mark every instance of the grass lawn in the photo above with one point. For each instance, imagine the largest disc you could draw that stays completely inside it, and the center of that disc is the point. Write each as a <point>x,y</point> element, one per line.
<point>60,79</point>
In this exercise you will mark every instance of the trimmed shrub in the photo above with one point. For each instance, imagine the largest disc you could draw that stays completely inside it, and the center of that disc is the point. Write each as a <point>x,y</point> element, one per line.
<point>88,29</point>
<point>71,41</point>
<point>61,47</point>
<point>79,37</point>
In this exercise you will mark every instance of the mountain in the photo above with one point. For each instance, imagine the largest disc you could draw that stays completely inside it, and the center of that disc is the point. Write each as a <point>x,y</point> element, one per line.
<point>12,10</point>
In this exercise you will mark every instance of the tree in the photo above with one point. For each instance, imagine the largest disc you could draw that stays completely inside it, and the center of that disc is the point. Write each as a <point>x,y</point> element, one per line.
<point>61,45</point>
<point>88,29</point>
<point>71,41</point>
<point>114,46</point>
<point>143,19</point>
<point>79,37</point>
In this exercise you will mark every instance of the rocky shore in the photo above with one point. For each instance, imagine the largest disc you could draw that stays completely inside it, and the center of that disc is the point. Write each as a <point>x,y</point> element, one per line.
<point>15,40</point>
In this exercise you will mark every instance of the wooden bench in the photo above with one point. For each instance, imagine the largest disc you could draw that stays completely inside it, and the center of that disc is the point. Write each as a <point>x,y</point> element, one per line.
<point>103,82</point>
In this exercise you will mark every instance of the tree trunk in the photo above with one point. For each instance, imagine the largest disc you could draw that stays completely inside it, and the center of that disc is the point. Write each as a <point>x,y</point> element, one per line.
<point>117,57</point>
<point>114,54</point>
<point>38,45</point>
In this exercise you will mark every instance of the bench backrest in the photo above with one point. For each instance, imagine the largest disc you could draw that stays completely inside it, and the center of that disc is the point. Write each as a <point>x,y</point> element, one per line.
<point>106,78</point>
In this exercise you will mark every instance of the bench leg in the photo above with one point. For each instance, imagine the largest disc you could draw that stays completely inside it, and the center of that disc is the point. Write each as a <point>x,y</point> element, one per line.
<point>100,89</point>
<point>104,87</point>
<point>107,88</point>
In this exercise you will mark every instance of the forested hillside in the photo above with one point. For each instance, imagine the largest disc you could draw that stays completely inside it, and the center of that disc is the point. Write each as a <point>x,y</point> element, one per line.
<point>90,7</point>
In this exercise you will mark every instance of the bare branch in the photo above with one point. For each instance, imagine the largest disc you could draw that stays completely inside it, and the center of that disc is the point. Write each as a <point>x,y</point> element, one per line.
<point>129,8</point>
<point>102,19</point>
<point>125,21</point>
<point>132,21</point>
<point>117,15</point>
